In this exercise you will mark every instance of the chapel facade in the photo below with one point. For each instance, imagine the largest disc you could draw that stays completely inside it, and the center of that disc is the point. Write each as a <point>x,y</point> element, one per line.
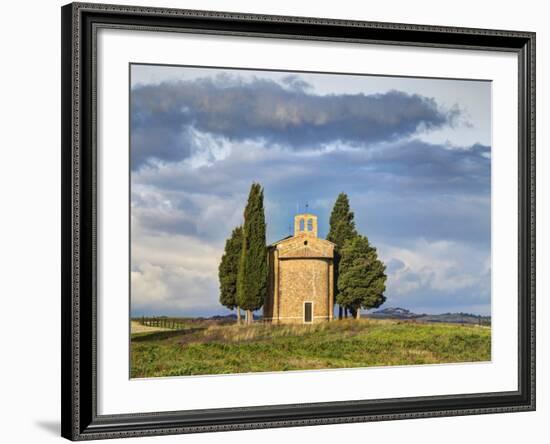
<point>301,276</point>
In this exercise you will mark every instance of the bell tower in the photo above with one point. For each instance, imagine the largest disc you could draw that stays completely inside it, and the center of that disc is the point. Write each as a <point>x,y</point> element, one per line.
<point>305,225</point>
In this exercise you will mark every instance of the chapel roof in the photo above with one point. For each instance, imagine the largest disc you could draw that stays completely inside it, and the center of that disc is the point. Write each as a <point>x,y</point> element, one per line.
<point>290,237</point>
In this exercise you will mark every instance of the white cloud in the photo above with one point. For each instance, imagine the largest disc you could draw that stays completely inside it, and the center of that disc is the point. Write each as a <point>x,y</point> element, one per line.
<point>439,273</point>
<point>207,148</point>
<point>148,285</point>
<point>173,274</point>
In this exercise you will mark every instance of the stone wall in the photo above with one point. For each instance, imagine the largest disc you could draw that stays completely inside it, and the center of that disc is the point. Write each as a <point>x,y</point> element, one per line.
<point>302,280</point>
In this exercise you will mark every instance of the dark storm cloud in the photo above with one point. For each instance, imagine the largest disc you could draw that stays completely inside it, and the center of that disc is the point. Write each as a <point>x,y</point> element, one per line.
<point>403,190</point>
<point>163,116</point>
<point>403,167</point>
<point>420,165</point>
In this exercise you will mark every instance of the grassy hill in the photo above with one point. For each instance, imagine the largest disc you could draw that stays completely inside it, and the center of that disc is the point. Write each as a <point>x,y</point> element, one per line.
<point>204,349</point>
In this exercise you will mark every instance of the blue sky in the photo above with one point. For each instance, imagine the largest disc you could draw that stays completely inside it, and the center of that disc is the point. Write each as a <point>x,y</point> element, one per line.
<point>413,155</point>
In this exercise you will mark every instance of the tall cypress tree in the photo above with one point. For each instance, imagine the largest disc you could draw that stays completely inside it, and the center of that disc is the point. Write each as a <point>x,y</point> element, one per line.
<point>342,228</point>
<point>252,277</point>
<point>229,269</point>
<point>362,279</point>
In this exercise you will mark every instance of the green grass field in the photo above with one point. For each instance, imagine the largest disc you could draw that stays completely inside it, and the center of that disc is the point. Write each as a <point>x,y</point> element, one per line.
<point>206,348</point>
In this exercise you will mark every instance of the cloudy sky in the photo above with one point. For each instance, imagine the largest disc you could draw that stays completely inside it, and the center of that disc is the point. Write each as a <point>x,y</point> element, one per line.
<point>413,155</point>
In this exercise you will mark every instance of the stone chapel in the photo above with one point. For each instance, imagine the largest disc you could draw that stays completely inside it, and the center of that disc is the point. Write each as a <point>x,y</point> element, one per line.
<point>301,276</point>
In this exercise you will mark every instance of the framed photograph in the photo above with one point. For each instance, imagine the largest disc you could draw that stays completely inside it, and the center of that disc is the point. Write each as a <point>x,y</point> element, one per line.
<point>282,221</point>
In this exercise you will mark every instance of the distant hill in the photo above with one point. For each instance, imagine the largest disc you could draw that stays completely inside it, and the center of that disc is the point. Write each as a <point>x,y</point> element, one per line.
<point>453,318</point>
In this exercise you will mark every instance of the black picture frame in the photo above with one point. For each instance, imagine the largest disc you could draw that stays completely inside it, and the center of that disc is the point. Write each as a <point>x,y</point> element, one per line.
<point>80,420</point>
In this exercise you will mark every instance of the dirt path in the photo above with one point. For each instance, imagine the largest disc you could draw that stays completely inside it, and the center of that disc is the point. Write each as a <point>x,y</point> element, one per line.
<point>138,328</point>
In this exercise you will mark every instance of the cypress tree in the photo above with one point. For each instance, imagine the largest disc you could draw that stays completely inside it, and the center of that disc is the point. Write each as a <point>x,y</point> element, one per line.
<point>252,277</point>
<point>229,269</point>
<point>362,279</point>
<point>342,228</point>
